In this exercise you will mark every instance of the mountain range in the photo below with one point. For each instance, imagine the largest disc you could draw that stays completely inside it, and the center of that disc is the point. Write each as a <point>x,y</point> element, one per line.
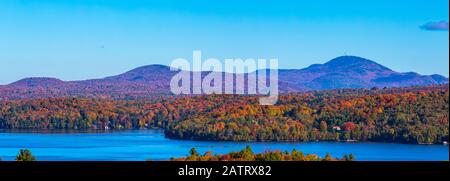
<point>154,80</point>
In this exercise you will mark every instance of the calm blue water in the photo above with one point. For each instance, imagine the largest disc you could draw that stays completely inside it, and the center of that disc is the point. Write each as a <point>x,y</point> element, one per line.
<point>140,145</point>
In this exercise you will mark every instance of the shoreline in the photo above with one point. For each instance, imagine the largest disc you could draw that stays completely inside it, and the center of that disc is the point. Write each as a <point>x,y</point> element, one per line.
<point>101,131</point>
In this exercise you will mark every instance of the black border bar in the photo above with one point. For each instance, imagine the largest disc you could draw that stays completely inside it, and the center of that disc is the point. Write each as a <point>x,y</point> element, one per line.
<point>169,169</point>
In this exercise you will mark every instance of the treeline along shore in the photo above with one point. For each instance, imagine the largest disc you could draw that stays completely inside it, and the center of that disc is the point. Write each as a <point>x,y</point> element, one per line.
<point>417,115</point>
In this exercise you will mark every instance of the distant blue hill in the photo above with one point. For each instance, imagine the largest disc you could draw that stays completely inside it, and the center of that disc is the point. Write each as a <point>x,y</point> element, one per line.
<point>353,72</point>
<point>154,80</point>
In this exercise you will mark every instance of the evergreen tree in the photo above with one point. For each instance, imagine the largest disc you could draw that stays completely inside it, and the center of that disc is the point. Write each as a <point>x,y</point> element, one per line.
<point>351,157</point>
<point>25,155</point>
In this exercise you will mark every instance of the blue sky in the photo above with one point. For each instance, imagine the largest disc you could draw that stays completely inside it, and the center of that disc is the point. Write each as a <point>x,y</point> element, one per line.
<point>82,39</point>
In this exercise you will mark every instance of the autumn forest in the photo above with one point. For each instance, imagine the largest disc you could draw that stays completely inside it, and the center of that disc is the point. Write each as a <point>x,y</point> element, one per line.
<point>417,115</point>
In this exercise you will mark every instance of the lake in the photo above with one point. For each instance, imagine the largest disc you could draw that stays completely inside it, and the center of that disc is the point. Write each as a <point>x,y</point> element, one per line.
<point>140,145</point>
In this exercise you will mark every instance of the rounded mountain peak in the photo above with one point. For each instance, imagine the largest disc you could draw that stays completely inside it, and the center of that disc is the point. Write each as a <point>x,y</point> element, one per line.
<point>37,81</point>
<point>354,62</point>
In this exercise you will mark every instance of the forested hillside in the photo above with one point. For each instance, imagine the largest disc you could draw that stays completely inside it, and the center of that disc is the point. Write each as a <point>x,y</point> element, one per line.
<point>409,115</point>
